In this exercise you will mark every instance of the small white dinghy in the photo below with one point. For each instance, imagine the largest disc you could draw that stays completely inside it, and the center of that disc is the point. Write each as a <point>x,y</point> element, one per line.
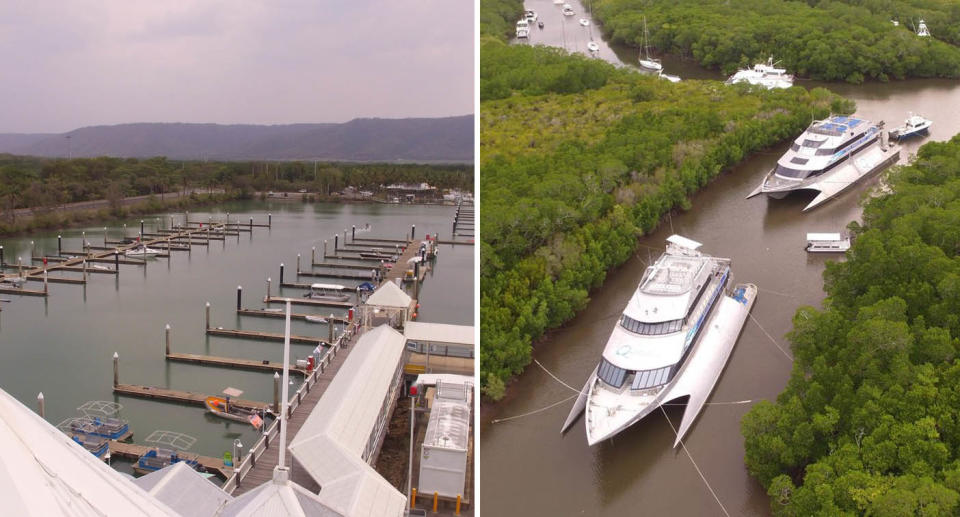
<point>593,47</point>
<point>142,251</point>
<point>315,319</point>
<point>584,22</point>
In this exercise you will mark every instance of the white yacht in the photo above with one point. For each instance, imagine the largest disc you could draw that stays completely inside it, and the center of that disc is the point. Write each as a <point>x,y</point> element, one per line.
<point>922,29</point>
<point>816,152</point>
<point>763,74</point>
<point>827,243</point>
<point>523,29</point>
<point>567,10</point>
<point>647,62</point>
<point>649,350</point>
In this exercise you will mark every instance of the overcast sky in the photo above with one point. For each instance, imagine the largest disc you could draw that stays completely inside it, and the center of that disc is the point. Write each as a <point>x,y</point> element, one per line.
<point>72,63</point>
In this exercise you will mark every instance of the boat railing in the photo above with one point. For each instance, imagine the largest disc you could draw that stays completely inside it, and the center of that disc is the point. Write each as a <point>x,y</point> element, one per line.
<point>266,439</point>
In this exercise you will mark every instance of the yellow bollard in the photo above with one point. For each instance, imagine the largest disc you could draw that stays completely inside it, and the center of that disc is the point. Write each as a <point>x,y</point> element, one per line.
<point>413,498</point>
<point>457,512</point>
<point>436,498</point>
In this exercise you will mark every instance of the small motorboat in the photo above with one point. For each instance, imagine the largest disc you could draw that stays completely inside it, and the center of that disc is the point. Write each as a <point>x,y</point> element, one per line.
<point>16,281</point>
<point>365,228</point>
<point>81,431</point>
<point>914,125</point>
<point>530,16</point>
<point>827,243</point>
<point>540,25</point>
<point>221,407</point>
<point>593,47</point>
<point>158,458</point>
<point>142,251</point>
<point>584,22</point>
<point>367,286</point>
<point>99,417</point>
<point>315,319</point>
<point>327,292</point>
<point>567,10</point>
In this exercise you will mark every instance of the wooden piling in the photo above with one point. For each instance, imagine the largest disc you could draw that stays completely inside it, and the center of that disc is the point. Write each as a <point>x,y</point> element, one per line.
<point>276,393</point>
<point>167,339</point>
<point>239,296</point>
<point>281,273</point>
<point>208,315</point>
<point>313,256</point>
<point>268,289</point>
<point>298,265</point>
<point>116,369</point>
<point>40,405</point>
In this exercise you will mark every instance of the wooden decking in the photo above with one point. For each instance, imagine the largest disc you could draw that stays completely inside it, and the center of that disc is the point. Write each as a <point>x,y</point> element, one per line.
<point>262,470</point>
<point>307,301</point>
<point>265,336</point>
<point>133,451</point>
<point>232,362</point>
<point>182,397</point>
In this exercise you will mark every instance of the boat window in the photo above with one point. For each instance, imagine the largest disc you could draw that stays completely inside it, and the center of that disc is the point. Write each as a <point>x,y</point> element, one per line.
<point>787,172</point>
<point>649,378</point>
<point>813,143</point>
<point>798,160</point>
<point>610,374</point>
<point>794,147</point>
<point>650,329</point>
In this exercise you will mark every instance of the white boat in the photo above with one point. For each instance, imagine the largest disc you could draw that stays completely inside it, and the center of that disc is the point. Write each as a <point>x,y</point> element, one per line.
<point>567,10</point>
<point>922,29</point>
<point>763,74</point>
<point>557,2</point>
<point>327,292</point>
<point>530,16</point>
<point>584,22</point>
<point>142,251</point>
<point>646,61</point>
<point>523,29</point>
<point>315,319</point>
<point>829,156</point>
<point>668,77</point>
<point>827,243</point>
<point>895,23</point>
<point>914,125</point>
<point>673,340</point>
<point>593,47</point>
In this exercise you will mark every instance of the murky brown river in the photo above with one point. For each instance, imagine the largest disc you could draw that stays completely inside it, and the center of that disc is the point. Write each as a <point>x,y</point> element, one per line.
<point>530,469</point>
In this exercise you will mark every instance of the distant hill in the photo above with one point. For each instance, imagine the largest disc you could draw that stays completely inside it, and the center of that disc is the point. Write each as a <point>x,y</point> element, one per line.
<point>448,139</point>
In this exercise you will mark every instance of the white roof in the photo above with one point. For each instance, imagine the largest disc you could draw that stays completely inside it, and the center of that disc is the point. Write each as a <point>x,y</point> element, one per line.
<point>430,379</point>
<point>684,242</point>
<point>449,425</point>
<point>184,490</point>
<point>389,295</point>
<point>43,472</point>
<point>824,237</point>
<point>332,440</point>
<point>439,333</point>
<point>278,497</point>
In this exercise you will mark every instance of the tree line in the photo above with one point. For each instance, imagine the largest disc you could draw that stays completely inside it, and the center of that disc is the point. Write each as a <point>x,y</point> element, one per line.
<point>869,422</point>
<point>850,40</point>
<point>578,158</point>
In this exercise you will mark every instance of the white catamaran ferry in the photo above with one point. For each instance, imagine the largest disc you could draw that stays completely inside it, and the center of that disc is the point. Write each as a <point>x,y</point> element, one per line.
<point>654,346</point>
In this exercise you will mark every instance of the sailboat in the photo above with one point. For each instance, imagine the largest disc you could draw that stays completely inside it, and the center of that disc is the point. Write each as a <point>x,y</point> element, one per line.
<point>646,61</point>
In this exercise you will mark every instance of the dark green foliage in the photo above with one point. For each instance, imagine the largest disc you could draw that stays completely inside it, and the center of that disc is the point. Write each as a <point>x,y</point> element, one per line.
<point>868,422</point>
<point>848,40</point>
<point>578,158</point>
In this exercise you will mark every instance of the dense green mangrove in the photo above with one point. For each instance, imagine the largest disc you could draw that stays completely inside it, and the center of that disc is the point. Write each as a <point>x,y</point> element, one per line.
<point>850,40</point>
<point>578,158</point>
<point>868,423</point>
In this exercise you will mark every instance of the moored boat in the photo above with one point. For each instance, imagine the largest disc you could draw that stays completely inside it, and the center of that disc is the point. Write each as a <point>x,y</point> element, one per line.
<point>327,292</point>
<point>647,62</point>
<point>913,126</point>
<point>221,407</point>
<point>827,243</point>
<point>142,251</point>
<point>766,75</point>
<point>657,340</point>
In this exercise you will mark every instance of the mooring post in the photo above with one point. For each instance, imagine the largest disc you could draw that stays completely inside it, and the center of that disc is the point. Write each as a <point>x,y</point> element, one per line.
<point>40,408</point>
<point>344,236</point>
<point>454,231</point>
<point>281,274</point>
<point>45,281</point>
<point>251,225</point>
<point>116,369</point>
<point>1,256</point>
<point>267,297</point>
<point>239,296</point>
<point>104,235</point>
<point>336,242</point>
<point>298,264</point>
<point>313,256</point>
<point>330,329</point>
<point>324,249</point>
<point>116,261</point>
<point>84,270</point>
<point>59,245</point>
<point>208,315</point>
<point>20,267</point>
<point>83,240</point>
<point>124,231</point>
<point>413,231</point>
<point>269,220</point>
<point>33,249</point>
<point>141,228</point>
<point>276,392</point>
<point>353,233</point>
<point>167,338</point>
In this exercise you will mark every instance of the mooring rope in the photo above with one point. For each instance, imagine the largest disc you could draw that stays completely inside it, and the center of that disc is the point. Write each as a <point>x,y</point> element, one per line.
<point>544,368</point>
<point>534,412</point>
<point>704,478</point>
<point>776,293</point>
<point>771,337</point>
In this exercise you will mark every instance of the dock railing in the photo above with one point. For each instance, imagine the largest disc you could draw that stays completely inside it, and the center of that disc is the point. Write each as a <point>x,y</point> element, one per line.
<point>268,436</point>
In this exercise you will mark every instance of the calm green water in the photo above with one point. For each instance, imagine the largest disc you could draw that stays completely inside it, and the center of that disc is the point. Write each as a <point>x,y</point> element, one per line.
<point>63,345</point>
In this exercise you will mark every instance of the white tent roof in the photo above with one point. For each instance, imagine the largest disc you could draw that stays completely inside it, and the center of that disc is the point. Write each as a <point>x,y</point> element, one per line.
<point>439,333</point>
<point>279,497</point>
<point>389,295</point>
<point>332,440</point>
<point>184,490</point>
<point>43,472</point>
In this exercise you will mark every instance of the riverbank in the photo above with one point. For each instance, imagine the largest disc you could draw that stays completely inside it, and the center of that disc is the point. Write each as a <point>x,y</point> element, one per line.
<point>104,211</point>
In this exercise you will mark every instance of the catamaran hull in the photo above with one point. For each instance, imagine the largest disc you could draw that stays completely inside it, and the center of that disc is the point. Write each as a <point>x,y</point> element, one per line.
<point>700,371</point>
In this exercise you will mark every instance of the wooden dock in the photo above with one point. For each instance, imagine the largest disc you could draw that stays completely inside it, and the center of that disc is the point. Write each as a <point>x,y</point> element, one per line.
<point>336,265</point>
<point>231,362</point>
<point>294,285</point>
<point>182,397</point>
<point>280,315</point>
<point>344,275</point>
<point>265,336</point>
<point>308,301</point>
<point>133,451</point>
